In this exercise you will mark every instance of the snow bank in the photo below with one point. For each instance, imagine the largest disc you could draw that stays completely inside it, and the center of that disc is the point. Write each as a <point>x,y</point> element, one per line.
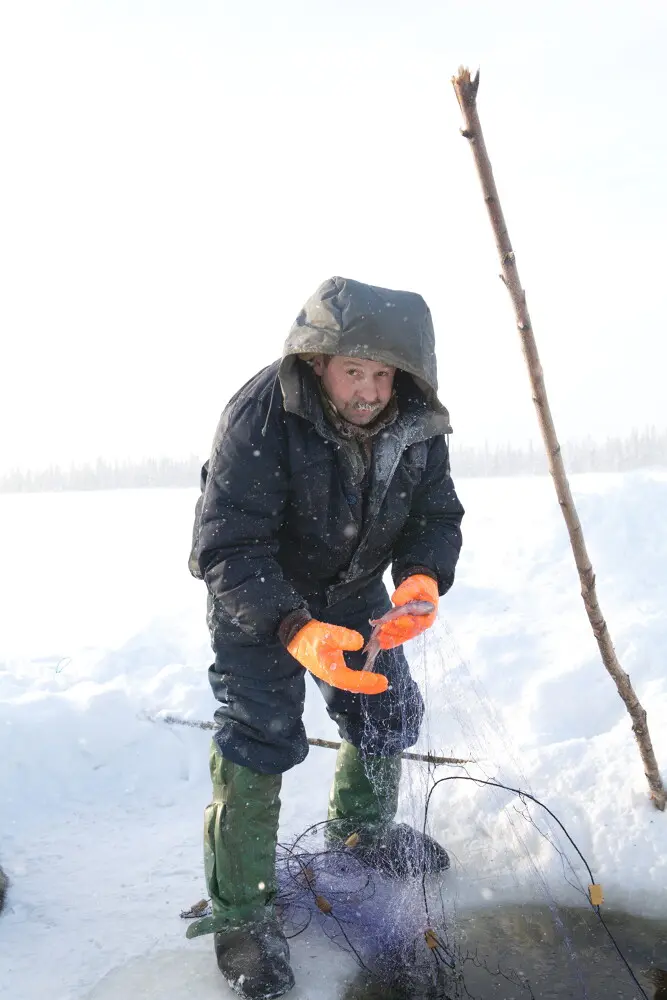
<point>102,809</point>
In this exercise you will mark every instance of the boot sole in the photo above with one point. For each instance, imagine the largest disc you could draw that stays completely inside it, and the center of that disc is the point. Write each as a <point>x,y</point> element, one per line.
<point>233,985</point>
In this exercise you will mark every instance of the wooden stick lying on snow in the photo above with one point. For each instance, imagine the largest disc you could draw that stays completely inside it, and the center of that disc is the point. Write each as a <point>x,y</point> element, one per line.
<point>466,92</point>
<point>427,758</point>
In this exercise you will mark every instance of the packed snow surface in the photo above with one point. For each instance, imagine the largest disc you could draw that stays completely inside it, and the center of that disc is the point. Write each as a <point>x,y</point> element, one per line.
<point>102,809</point>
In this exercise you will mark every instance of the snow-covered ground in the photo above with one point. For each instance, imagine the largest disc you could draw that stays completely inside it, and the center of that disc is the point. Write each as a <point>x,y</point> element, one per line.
<point>102,809</point>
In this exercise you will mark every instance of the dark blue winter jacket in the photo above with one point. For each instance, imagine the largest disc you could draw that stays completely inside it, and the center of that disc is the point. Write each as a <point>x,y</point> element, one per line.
<point>279,520</point>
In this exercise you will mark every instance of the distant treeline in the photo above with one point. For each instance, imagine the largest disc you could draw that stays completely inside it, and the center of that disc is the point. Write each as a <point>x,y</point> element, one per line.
<point>104,475</point>
<point>639,450</point>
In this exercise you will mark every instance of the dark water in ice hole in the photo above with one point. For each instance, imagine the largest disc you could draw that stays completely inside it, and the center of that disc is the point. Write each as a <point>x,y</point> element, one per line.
<point>528,939</point>
<point>522,938</point>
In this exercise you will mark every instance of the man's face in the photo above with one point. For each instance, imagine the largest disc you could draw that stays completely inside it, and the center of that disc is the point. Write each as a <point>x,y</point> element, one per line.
<point>359,389</point>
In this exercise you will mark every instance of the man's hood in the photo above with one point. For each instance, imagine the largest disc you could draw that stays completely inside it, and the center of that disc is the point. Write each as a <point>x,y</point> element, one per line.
<point>352,319</point>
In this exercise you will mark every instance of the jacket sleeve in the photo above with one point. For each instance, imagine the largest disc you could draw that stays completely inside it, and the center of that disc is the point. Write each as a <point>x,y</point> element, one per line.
<point>430,541</point>
<point>242,510</point>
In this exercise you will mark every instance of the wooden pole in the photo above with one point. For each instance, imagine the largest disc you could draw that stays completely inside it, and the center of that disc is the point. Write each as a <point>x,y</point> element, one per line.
<point>427,758</point>
<point>465,88</point>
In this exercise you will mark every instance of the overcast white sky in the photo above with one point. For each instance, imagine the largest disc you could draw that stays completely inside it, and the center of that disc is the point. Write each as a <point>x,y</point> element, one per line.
<point>178,176</point>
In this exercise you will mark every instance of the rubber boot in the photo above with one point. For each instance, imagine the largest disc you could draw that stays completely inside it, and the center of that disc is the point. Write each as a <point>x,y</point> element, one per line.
<point>363,802</point>
<point>254,959</point>
<point>240,836</point>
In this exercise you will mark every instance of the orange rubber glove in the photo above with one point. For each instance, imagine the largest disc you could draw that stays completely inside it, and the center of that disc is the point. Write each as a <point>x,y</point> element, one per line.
<point>414,588</point>
<point>319,648</point>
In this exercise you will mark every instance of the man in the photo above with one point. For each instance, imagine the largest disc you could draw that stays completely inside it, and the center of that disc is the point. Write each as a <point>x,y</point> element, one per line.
<point>326,468</point>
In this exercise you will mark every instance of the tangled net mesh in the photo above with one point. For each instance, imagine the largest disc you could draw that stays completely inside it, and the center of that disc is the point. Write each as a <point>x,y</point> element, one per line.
<point>512,918</point>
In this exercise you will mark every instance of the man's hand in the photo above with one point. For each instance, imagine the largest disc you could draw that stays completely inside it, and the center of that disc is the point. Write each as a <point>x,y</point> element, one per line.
<point>418,587</point>
<point>319,648</point>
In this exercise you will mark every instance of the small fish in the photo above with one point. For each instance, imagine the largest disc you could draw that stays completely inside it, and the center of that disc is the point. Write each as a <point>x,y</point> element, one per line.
<point>372,647</point>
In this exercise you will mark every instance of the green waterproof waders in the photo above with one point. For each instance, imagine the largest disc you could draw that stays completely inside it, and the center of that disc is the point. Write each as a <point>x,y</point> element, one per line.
<point>364,795</point>
<point>240,835</point>
<point>364,801</point>
<point>241,828</point>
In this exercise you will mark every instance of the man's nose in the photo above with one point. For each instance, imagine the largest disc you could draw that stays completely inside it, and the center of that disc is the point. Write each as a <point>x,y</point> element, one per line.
<point>367,392</point>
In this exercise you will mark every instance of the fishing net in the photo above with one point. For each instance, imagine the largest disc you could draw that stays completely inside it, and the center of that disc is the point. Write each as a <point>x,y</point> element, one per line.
<point>512,917</point>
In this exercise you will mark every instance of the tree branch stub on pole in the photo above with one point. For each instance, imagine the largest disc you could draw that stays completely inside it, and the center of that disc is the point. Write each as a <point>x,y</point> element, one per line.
<point>466,88</point>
